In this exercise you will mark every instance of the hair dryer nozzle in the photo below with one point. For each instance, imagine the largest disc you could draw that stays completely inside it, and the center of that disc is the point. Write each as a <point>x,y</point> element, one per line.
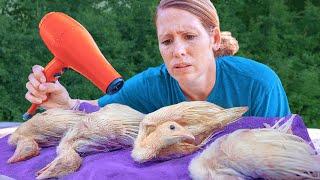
<point>115,86</point>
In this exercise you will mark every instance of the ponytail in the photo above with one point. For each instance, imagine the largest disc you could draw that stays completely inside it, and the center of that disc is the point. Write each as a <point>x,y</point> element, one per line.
<point>228,46</point>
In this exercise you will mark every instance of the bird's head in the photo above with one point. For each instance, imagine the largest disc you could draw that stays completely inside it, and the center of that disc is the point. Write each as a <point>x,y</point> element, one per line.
<point>161,136</point>
<point>171,133</point>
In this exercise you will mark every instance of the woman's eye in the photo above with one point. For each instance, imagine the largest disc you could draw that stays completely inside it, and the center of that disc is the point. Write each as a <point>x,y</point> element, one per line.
<point>190,37</point>
<point>167,42</point>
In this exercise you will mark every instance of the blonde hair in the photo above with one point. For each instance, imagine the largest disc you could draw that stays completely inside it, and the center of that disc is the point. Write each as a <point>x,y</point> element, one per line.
<point>208,16</point>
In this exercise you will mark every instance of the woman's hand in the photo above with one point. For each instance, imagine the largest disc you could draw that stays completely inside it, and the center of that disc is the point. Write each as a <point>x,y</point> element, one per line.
<point>46,94</point>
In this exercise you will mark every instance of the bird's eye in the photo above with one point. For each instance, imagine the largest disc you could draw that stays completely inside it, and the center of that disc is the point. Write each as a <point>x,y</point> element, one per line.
<point>172,127</point>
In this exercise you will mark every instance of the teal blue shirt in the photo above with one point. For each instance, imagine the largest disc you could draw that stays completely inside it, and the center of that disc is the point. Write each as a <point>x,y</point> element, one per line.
<point>239,82</point>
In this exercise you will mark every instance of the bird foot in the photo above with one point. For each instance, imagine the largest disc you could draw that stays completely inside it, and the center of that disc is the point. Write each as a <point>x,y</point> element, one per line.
<point>25,149</point>
<point>62,165</point>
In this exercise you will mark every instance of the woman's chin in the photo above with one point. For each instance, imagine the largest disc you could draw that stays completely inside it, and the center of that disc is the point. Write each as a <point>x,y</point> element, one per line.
<point>185,78</point>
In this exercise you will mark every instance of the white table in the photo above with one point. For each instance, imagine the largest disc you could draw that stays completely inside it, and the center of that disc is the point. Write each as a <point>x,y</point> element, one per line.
<point>6,131</point>
<point>315,137</point>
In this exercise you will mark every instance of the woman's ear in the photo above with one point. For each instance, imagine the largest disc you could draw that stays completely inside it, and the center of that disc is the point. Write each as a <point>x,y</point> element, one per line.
<point>215,36</point>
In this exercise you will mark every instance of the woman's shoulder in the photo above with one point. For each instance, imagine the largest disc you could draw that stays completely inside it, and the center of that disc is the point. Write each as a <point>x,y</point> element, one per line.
<point>240,66</point>
<point>248,71</point>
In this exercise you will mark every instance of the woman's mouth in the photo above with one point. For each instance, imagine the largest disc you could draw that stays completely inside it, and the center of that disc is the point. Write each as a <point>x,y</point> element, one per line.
<point>182,68</point>
<point>179,66</point>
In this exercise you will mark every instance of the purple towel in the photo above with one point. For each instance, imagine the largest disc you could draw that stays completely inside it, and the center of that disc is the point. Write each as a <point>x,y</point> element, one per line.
<point>119,164</point>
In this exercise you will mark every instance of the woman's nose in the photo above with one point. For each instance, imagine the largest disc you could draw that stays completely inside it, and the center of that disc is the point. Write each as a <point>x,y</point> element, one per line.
<point>179,49</point>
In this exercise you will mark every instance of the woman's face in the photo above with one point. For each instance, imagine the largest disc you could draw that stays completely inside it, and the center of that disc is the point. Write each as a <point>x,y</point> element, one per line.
<point>185,45</point>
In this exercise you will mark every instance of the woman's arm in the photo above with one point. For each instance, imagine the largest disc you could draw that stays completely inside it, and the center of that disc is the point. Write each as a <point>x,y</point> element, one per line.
<point>272,103</point>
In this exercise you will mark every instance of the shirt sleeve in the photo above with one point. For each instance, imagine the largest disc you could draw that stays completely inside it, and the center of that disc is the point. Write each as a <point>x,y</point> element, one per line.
<point>272,103</point>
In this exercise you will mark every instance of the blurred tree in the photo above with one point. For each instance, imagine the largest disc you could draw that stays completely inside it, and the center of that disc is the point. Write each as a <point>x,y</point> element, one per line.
<point>283,34</point>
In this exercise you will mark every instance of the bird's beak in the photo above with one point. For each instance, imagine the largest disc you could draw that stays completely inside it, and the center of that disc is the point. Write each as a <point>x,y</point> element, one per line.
<point>185,135</point>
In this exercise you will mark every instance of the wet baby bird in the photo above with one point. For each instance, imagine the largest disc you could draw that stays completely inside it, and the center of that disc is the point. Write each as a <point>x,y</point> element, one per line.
<point>42,130</point>
<point>180,129</point>
<point>268,153</point>
<point>113,127</point>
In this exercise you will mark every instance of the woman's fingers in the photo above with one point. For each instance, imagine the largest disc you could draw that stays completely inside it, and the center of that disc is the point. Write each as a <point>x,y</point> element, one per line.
<point>50,87</point>
<point>37,76</point>
<point>39,89</point>
<point>34,82</point>
<point>38,73</point>
<point>32,98</point>
<point>34,92</point>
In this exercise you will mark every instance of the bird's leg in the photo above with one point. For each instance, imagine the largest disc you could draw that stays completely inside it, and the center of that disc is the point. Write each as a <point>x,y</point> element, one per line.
<point>66,162</point>
<point>26,148</point>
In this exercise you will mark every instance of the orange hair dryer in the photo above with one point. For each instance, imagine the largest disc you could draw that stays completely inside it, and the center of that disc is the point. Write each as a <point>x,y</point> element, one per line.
<point>73,47</point>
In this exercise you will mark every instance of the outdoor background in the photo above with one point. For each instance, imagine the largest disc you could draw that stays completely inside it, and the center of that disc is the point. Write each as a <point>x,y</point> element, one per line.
<point>284,34</point>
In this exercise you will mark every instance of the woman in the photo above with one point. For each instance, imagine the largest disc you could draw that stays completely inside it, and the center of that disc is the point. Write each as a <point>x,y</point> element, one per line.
<point>195,68</point>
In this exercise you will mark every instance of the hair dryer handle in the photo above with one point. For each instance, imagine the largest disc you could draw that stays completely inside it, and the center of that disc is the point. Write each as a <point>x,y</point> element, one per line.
<point>52,73</point>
